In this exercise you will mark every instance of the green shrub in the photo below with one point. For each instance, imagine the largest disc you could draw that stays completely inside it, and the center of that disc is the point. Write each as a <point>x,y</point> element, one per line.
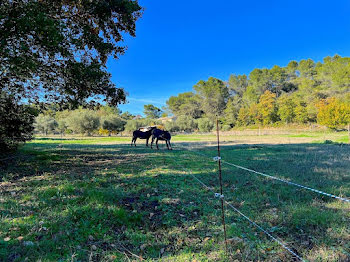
<point>83,121</point>
<point>171,126</point>
<point>205,124</point>
<point>45,124</point>
<point>186,123</point>
<point>113,124</point>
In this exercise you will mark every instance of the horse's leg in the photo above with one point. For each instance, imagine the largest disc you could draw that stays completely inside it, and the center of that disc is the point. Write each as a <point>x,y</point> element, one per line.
<point>152,142</point>
<point>135,141</point>
<point>147,141</point>
<point>170,145</point>
<point>167,145</point>
<point>157,143</point>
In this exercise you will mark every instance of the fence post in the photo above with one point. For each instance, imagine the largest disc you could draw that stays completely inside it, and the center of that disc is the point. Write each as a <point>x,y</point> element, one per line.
<point>220,179</point>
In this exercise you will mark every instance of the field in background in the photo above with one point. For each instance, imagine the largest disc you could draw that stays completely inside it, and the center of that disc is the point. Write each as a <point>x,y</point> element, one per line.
<point>272,136</point>
<point>85,198</point>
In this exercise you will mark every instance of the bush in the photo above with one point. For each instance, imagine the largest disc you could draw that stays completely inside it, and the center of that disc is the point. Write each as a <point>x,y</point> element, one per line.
<point>132,125</point>
<point>83,121</point>
<point>205,124</point>
<point>226,128</point>
<point>186,123</point>
<point>333,113</point>
<point>16,122</point>
<point>45,124</point>
<point>171,126</point>
<point>113,124</point>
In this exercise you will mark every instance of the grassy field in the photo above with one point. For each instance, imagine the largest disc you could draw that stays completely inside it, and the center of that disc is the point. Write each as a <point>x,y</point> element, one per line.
<point>98,199</point>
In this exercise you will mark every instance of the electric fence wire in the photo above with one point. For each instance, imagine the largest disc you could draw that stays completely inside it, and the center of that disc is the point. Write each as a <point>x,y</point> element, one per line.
<point>277,178</point>
<point>248,219</point>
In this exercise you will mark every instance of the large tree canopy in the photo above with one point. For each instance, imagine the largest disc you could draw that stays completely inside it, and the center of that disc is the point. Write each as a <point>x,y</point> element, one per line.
<point>57,50</point>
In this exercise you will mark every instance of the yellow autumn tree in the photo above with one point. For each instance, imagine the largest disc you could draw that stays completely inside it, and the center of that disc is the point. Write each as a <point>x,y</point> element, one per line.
<point>333,113</point>
<point>267,108</point>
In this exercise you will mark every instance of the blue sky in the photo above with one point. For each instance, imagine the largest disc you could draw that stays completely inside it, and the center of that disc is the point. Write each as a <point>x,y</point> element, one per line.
<point>181,42</point>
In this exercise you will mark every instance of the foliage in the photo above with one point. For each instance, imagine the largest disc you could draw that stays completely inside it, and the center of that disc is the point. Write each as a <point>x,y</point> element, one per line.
<point>185,104</point>
<point>152,111</point>
<point>205,124</point>
<point>214,95</point>
<point>267,96</point>
<point>46,124</point>
<point>134,124</point>
<point>286,108</point>
<point>127,115</point>
<point>113,124</point>
<point>186,123</point>
<point>83,121</point>
<point>237,84</point>
<point>171,126</point>
<point>232,110</point>
<point>61,48</point>
<point>267,108</point>
<point>333,113</point>
<point>16,122</point>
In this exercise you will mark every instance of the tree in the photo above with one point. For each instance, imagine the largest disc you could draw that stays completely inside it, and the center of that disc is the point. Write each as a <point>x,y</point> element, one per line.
<point>291,70</point>
<point>205,124</point>
<point>127,115</point>
<point>232,110</point>
<point>186,123</point>
<point>237,84</point>
<point>213,94</point>
<point>62,120</point>
<point>83,121</point>
<point>105,110</point>
<point>243,117</point>
<point>113,124</point>
<point>62,47</point>
<point>57,50</point>
<point>186,103</point>
<point>267,108</point>
<point>45,124</point>
<point>171,126</point>
<point>301,115</point>
<point>286,108</point>
<point>134,124</point>
<point>333,113</point>
<point>306,68</point>
<point>260,80</point>
<point>15,122</point>
<point>152,111</point>
<point>62,126</point>
<point>278,79</point>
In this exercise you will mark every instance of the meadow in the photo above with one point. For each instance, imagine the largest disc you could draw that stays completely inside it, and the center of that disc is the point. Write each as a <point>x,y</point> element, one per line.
<point>98,199</point>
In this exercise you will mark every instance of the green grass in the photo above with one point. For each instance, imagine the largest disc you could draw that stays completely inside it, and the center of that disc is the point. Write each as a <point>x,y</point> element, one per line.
<point>100,199</point>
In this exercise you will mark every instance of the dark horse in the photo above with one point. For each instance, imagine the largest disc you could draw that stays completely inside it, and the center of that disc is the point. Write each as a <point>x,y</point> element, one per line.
<point>158,134</point>
<point>142,134</point>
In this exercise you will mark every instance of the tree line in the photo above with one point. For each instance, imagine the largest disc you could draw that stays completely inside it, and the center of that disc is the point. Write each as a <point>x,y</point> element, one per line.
<point>302,92</point>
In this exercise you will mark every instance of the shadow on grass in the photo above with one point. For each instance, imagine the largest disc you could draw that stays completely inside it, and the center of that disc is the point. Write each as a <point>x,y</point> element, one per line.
<point>113,200</point>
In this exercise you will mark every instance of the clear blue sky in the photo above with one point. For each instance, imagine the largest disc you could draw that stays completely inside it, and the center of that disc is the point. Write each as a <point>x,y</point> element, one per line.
<point>181,42</point>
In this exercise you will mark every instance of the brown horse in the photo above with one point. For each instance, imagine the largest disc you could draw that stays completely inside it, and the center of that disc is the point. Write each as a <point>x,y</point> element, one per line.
<point>142,134</point>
